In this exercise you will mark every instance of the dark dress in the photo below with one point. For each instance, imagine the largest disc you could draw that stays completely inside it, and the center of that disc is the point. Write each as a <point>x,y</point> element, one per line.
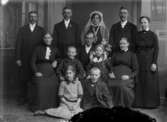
<point>123,63</point>
<point>64,37</point>
<point>117,32</point>
<point>96,95</point>
<point>147,88</point>
<point>25,43</point>
<point>46,87</point>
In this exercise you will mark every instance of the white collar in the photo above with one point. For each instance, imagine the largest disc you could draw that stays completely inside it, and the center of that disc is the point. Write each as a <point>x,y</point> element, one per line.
<point>87,48</point>
<point>125,50</point>
<point>147,29</point>
<point>32,26</point>
<point>66,22</point>
<point>123,23</point>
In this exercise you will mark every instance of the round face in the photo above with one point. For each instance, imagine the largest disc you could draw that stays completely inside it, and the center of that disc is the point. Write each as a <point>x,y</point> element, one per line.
<point>70,75</point>
<point>89,39</point>
<point>124,44</point>
<point>144,23</point>
<point>96,19</point>
<point>95,75</point>
<point>123,14</point>
<point>72,52</point>
<point>48,39</point>
<point>67,13</point>
<point>33,18</point>
<point>99,51</point>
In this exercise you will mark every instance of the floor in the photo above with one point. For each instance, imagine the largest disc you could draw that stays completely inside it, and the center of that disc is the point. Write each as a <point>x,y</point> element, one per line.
<point>11,112</point>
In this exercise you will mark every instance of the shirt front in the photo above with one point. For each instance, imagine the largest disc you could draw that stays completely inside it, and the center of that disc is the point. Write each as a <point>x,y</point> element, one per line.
<point>66,22</point>
<point>87,48</point>
<point>32,27</point>
<point>123,23</point>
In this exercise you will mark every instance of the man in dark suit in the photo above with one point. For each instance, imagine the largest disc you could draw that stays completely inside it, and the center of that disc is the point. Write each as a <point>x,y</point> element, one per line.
<point>28,37</point>
<point>66,33</point>
<point>85,49</point>
<point>123,28</point>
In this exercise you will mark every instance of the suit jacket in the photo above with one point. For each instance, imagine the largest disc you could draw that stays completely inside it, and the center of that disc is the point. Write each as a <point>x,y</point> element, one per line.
<point>84,56</point>
<point>25,44</point>
<point>101,91</point>
<point>117,32</point>
<point>63,37</point>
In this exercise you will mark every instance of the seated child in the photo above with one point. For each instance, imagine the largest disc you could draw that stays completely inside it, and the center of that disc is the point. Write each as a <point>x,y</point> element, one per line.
<point>96,93</point>
<point>71,59</point>
<point>98,58</point>
<point>70,93</point>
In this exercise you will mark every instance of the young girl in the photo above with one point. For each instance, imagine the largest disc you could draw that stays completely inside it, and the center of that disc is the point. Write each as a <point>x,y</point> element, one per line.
<point>70,93</point>
<point>44,61</point>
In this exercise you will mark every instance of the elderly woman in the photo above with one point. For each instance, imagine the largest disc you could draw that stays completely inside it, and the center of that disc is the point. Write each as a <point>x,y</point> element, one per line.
<point>122,75</point>
<point>147,89</point>
<point>96,25</point>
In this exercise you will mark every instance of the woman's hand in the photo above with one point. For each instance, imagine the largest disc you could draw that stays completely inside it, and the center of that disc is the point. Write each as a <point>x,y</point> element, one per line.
<point>125,77</point>
<point>38,74</point>
<point>111,75</point>
<point>54,64</point>
<point>153,67</point>
<point>19,63</point>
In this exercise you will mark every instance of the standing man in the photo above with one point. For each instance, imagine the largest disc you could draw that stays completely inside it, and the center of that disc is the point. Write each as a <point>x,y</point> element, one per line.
<point>123,28</point>
<point>28,37</point>
<point>66,33</point>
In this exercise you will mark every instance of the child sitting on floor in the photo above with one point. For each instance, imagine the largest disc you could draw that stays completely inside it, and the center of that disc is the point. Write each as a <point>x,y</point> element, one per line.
<point>96,93</point>
<point>70,93</point>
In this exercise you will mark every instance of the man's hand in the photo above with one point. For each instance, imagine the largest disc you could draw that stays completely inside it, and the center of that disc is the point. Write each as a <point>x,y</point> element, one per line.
<point>111,75</point>
<point>125,77</point>
<point>38,74</point>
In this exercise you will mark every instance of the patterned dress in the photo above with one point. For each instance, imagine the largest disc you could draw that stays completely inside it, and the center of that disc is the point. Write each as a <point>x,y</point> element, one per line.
<point>70,92</point>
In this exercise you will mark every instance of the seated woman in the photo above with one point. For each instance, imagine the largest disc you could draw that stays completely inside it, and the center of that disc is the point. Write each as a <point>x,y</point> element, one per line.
<point>123,71</point>
<point>96,93</point>
<point>70,93</point>
<point>44,61</point>
<point>96,25</point>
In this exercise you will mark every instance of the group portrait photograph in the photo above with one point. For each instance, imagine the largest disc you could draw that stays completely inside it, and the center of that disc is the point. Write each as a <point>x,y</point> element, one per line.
<point>83,60</point>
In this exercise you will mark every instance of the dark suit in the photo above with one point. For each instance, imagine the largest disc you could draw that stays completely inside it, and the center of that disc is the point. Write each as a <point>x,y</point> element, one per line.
<point>25,44</point>
<point>64,37</point>
<point>117,32</point>
<point>97,95</point>
<point>84,56</point>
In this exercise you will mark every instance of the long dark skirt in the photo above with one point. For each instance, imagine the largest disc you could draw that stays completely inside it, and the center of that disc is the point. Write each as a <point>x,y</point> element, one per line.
<point>122,90</point>
<point>147,90</point>
<point>46,95</point>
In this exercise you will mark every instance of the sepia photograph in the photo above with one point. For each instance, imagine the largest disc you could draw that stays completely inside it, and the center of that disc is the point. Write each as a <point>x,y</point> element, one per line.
<point>83,60</point>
